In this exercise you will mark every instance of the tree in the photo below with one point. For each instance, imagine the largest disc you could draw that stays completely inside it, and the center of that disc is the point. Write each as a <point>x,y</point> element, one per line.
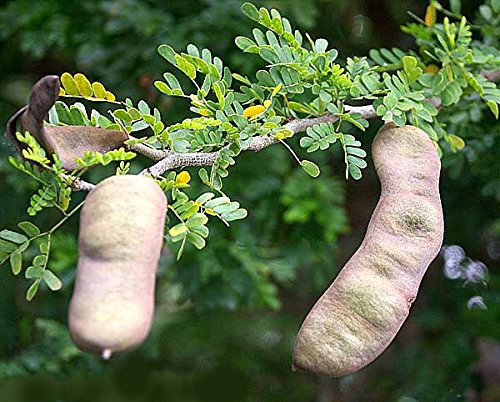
<point>305,89</point>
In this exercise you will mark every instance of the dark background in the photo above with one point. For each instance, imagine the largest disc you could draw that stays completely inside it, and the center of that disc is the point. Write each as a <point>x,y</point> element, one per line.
<point>227,316</point>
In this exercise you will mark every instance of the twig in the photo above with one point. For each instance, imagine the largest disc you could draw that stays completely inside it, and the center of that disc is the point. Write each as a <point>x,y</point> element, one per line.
<point>78,184</point>
<point>149,152</point>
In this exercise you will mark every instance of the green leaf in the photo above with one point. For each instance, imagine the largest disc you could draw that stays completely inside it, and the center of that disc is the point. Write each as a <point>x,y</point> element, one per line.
<point>201,230</point>
<point>32,290</point>
<point>29,228</point>
<point>173,83</point>
<point>167,52</point>
<point>40,260</point>
<point>205,197</point>
<point>493,107</point>
<point>16,262</point>
<point>162,87</point>
<point>196,220</point>
<point>250,11</point>
<point>177,230</point>
<point>6,246</point>
<point>13,237</point>
<point>33,272</point>
<point>235,215</point>
<point>185,66</point>
<point>456,6</point>
<point>122,114</point>
<point>244,43</point>
<point>411,69</point>
<point>456,142</point>
<point>310,168</point>
<point>321,45</point>
<point>196,240</point>
<point>44,248</point>
<point>52,281</point>
<point>219,90</point>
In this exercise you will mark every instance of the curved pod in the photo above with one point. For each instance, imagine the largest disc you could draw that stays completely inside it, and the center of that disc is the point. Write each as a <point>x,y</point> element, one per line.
<point>361,312</point>
<point>120,240</point>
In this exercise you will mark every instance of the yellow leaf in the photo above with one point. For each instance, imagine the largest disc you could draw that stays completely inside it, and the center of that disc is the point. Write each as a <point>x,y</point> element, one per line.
<point>99,90</point>
<point>210,211</point>
<point>83,85</point>
<point>254,111</point>
<point>430,15</point>
<point>276,90</point>
<point>432,69</point>
<point>456,142</point>
<point>62,92</point>
<point>204,112</point>
<point>110,96</point>
<point>69,84</point>
<point>283,133</point>
<point>183,178</point>
<point>267,103</point>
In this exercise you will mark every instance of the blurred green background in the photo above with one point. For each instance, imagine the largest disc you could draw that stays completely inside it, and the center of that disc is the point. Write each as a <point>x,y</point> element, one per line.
<point>227,316</point>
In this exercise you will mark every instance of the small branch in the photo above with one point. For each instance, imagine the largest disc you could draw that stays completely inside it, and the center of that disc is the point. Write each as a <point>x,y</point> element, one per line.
<point>78,184</point>
<point>175,160</point>
<point>149,152</point>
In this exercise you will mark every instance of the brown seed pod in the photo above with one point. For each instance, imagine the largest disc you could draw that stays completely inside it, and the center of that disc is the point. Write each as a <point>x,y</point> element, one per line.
<point>361,312</point>
<point>121,235</point>
<point>68,142</point>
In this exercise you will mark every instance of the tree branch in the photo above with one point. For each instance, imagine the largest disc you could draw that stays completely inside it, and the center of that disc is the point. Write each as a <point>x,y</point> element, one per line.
<point>168,160</point>
<point>149,152</point>
<point>174,160</point>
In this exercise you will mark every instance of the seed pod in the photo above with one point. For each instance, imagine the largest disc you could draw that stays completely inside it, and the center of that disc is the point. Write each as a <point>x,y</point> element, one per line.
<point>69,142</point>
<point>363,309</point>
<point>121,235</point>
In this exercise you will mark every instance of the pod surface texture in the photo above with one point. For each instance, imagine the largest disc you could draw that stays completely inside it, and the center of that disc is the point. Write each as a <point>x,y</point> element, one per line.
<point>120,240</point>
<point>361,312</point>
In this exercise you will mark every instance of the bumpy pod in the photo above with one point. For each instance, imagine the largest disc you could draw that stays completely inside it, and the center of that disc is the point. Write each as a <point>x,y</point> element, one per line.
<point>361,312</point>
<point>120,239</point>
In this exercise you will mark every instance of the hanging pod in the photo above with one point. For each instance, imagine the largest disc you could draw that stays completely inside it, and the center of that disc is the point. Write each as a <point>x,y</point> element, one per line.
<point>119,245</point>
<point>361,312</point>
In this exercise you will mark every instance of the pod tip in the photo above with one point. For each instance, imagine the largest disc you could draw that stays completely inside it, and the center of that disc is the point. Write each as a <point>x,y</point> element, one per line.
<point>106,354</point>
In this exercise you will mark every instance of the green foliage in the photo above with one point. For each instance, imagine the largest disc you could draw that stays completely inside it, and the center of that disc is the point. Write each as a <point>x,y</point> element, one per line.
<point>13,245</point>
<point>302,78</point>
<point>92,158</point>
<point>193,215</point>
<point>55,188</point>
<point>321,136</point>
<point>294,222</point>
